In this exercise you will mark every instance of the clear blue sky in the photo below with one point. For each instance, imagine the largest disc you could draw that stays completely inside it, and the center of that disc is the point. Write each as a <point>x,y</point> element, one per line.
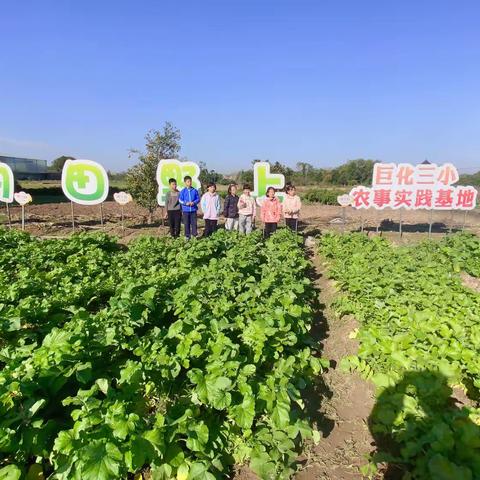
<point>316,81</point>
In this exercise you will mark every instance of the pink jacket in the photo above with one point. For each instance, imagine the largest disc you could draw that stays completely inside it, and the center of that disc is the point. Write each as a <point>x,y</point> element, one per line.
<point>271,210</point>
<point>291,206</point>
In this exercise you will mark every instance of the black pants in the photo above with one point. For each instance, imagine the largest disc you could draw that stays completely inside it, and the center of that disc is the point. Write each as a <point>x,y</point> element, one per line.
<point>270,228</point>
<point>174,222</point>
<point>190,222</point>
<point>292,223</point>
<point>210,227</point>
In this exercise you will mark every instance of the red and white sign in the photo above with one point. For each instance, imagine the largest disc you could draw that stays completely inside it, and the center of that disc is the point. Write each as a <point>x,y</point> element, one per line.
<point>413,187</point>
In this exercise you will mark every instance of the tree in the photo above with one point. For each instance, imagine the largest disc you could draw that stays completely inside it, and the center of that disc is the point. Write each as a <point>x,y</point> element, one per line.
<point>141,179</point>
<point>58,163</point>
<point>208,176</point>
<point>354,172</point>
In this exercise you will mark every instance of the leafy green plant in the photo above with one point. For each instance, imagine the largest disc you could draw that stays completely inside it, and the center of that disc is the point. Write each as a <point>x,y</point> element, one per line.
<point>179,357</point>
<point>419,336</point>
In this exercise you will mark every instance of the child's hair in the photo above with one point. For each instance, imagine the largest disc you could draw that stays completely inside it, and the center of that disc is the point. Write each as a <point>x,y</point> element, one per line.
<point>230,188</point>
<point>289,187</point>
<point>211,184</point>
<point>246,186</point>
<point>187,177</point>
<point>171,180</point>
<point>270,188</point>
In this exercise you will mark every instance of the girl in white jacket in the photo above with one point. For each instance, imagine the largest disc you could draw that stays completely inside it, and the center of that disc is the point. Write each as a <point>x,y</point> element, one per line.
<point>246,210</point>
<point>291,208</point>
<point>210,204</point>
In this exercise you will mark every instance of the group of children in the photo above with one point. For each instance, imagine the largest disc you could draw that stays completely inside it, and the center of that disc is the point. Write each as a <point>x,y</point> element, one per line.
<point>239,212</point>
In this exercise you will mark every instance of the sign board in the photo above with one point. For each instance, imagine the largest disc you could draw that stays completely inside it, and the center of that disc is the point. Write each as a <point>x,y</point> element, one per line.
<point>6,183</point>
<point>122,198</point>
<point>413,187</point>
<point>22,198</point>
<point>84,182</point>
<point>172,168</point>
<point>344,200</point>
<point>263,179</point>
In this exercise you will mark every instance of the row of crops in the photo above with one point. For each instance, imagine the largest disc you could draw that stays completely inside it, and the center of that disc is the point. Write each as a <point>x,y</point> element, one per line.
<point>419,342</point>
<point>165,359</point>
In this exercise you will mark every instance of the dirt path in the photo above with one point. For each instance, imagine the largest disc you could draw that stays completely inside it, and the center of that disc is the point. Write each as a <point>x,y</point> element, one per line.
<point>347,441</point>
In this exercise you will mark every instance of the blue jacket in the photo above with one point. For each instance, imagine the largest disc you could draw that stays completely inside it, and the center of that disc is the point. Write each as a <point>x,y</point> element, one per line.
<point>189,195</point>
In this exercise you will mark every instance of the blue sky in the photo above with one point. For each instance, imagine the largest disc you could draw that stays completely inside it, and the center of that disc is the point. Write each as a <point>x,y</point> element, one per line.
<point>315,81</point>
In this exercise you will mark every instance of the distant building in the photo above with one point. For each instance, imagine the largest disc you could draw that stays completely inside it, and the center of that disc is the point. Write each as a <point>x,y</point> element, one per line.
<point>27,168</point>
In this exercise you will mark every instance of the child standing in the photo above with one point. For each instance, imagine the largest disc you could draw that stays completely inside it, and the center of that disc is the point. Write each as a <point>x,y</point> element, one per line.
<point>174,210</point>
<point>291,208</point>
<point>211,209</point>
<point>189,200</point>
<point>230,208</point>
<point>246,210</point>
<point>271,212</point>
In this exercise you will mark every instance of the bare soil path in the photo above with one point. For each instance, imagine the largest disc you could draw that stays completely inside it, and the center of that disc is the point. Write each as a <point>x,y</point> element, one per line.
<point>344,449</point>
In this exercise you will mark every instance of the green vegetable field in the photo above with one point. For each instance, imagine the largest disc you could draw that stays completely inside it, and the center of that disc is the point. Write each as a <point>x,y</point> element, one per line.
<point>172,358</point>
<point>167,359</point>
<point>419,336</point>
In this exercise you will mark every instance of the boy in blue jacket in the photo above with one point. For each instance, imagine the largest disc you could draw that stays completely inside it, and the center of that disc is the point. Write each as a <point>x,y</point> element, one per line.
<point>189,200</point>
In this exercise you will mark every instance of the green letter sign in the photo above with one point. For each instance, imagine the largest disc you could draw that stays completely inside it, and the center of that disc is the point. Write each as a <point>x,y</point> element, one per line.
<point>6,183</point>
<point>171,168</point>
<point>84,182</point>
<point>262,179</point>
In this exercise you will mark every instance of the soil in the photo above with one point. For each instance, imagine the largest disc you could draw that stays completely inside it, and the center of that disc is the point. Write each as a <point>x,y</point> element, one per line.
<point>347,400</point>
<point>54,219</point>
<point>473,283</point>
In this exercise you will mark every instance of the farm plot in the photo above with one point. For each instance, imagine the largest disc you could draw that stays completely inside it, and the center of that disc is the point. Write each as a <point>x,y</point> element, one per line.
<point>165,359</point>
<point>419,342</point>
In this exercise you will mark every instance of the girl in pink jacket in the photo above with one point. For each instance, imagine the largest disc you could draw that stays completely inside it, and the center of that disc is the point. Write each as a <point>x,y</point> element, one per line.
<point>271,212</point>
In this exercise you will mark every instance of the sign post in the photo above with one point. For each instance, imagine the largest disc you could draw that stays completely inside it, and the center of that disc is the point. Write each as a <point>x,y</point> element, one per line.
<point>84,182</point>
<point>22,198</point>
<point>344,201</point>
<point>73,216</point>
<point>122,198</point>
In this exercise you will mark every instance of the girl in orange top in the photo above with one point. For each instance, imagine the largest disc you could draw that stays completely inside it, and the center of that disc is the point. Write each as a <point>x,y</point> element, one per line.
<point>271,212</point>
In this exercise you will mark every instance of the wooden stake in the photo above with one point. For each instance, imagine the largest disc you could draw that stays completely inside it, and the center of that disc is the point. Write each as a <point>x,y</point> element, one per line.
<point>451,221</point>
<point>430,220</point>
<point>343,219</point>
<point>400,224</point>
<point>121,221</point>
<point>23,217</point>
<point>101,214</point>
<point>464,220</point>
<point>9,216</point>
<point>73,217</point>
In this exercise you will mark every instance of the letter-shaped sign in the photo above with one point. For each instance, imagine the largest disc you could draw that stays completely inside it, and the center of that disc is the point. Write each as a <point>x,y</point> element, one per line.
<point>6,183</point>
<point>172,168</point>
<point>262,179</point>
<point>84,182</point>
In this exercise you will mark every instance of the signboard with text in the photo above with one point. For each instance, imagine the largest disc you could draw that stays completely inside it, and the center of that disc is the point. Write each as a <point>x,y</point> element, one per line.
<point>172,168</point>
<point>84,182</point>
<point>425,186</point>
